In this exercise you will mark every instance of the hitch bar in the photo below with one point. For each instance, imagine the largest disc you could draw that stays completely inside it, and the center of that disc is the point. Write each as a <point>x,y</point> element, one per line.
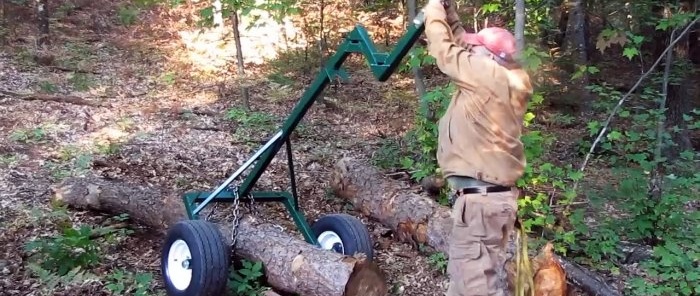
<point>382,66</point>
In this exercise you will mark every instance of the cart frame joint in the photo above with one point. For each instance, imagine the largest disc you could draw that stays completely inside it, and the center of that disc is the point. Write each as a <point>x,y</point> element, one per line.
<point>382,65</point>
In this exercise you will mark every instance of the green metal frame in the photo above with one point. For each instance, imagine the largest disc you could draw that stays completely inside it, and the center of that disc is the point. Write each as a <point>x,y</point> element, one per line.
<point>382,66</point>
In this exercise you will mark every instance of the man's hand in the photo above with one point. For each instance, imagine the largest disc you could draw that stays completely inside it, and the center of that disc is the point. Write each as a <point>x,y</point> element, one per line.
<point>446,4</point>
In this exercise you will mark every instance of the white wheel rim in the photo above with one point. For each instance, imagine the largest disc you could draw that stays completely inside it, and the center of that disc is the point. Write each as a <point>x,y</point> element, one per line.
<point>328,239</point>
<point>179,261</point>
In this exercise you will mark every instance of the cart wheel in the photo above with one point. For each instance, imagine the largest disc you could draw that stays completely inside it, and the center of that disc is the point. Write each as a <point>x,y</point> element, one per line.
<point>343,234</point>
<point>195,259</point>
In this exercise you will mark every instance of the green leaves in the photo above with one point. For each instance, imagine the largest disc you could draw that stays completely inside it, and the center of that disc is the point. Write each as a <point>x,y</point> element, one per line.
<point>531,58</point>
<point>246,281</point>
<point>62,253</point>
<point>583,69</point>
<point>675,20</point>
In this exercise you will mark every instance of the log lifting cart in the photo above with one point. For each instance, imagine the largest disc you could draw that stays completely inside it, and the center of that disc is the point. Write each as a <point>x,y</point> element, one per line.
<point>195,255</point>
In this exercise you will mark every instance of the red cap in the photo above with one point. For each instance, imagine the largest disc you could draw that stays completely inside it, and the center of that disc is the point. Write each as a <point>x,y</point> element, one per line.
<point>497,40</point>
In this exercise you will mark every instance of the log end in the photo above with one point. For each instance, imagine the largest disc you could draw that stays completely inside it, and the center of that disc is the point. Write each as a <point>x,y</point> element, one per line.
<point>339,182</point>
<point>83,195</point>
<point>366,280</point>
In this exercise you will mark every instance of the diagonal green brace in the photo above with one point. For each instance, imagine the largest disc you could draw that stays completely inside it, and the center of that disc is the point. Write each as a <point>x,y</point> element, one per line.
<point>382,65</point>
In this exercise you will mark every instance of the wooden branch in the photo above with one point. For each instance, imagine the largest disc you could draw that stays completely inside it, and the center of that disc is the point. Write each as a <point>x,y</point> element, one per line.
<point>290,264</point>
<point>67,69</point>
<point>622,100</point>
<point>586,280</point>
<point>418,219</point>
<point>52,98</point>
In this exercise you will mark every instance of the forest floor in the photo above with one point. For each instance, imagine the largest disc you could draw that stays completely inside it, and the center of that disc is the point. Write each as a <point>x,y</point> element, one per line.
<point>146,115</point>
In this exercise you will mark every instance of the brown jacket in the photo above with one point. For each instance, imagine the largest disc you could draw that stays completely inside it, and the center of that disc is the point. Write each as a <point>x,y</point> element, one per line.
<point>479,135</point>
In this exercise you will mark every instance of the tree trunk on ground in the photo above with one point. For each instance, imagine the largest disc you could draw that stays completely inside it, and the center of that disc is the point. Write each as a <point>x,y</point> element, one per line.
<point>418,219</point>
<point>290,264</point>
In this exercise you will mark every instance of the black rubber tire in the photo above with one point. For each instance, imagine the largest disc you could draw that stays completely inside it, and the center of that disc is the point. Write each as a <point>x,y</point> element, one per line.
<point>210,258</point>
<point>352,232</point>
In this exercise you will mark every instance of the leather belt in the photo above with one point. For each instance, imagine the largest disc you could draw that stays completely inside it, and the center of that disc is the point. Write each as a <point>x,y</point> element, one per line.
<point>488,189</point>
<point>472,190</point>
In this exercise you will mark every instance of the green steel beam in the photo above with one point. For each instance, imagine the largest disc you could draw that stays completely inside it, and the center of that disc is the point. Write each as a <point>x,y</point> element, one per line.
<point>382,65</point>
<point>358,41</point>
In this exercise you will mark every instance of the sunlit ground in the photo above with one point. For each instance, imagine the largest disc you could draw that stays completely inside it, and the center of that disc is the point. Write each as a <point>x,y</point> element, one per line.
<point>213,50</point>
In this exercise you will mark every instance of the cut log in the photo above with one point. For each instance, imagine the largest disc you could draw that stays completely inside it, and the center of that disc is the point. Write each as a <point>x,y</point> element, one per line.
<point>291,264</point>
<point>418,219</point>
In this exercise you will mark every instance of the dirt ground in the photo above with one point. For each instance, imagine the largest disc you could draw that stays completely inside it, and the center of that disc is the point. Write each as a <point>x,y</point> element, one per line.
<point>157,101</point>
<point>148,116</point>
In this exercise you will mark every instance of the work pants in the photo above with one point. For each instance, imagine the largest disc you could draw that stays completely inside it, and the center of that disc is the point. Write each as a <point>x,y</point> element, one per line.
<point>480,228</point>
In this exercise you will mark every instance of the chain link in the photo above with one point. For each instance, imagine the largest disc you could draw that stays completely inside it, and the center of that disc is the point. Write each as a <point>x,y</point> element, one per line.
<point>236,217</point>
<point>253,207</point>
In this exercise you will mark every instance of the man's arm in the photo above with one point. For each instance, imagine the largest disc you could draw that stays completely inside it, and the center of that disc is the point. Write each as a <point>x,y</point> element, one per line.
<point>452,18</point>
<point>454,60</point>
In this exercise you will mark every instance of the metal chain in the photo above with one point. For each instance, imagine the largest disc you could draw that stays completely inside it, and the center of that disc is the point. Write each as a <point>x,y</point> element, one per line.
<point>253,207</point>
<point>236,217</point>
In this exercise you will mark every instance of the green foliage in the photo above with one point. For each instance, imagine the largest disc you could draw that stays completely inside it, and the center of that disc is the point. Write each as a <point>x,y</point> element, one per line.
<point>80,81</point>
<point>439,260</point>
<point>422,139</point>
<point>278,9</point>
<point>246,281</point>
<point>74,247</point>
<point>628,149</point>
<point>127,15</point>
<point>70,249</point>
<point>662,220</point>
<point>121,281</point>
<point>35,135</point>
<point>252,126</point>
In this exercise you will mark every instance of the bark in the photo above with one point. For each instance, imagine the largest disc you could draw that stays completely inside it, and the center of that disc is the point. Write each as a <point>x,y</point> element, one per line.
<point>679,96</point>
<point>679,89</point>
<point>520,25</point>
<point>576,44</point>
<point>239,58</point>
<point>3,23</point>
<point>42,12</point>
<point>418,219</point>
<point>585,280</point>
<point>417,73</point>
<point>69,99</point>
<point>291,265</point>
<point>218,15</point>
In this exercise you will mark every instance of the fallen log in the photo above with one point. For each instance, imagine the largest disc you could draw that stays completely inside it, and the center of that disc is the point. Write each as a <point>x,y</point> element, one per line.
<point>290,264</point>
<point>418,219</point>
<point>69,99</point>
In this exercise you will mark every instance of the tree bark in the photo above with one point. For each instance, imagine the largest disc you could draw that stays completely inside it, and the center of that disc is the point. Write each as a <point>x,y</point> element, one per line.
<point>576,44</point>
<point>42,13</point>
<point>417,73</point>
<point>520,25</point>
<point>418,219</point>
<point>291,264</point>
<point>218,15</point>
<point>245,94</point>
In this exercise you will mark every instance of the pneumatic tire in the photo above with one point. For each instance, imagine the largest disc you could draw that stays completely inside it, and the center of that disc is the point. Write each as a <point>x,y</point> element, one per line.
<point>195,259</point>
<point>343,233</point>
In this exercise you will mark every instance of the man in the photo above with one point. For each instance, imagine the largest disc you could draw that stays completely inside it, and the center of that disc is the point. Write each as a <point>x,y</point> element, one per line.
<point>479,148</point>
